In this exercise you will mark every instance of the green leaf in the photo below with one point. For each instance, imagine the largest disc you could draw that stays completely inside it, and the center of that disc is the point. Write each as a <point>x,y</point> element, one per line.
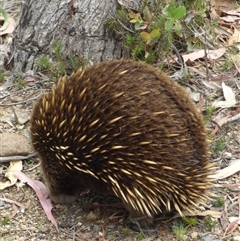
<point>137,17</point>
<point>152,41</point>
<point>178,29</point>
<point>145,36</point>
<point>169,9</point>
<point>147,14</point>
<point>133,21</point>
<point>131,15</point>
<point>178,13</point>
<point>6,19</point>
<point>168,24</point>
<point>137,25</point>
<point>155,33</point>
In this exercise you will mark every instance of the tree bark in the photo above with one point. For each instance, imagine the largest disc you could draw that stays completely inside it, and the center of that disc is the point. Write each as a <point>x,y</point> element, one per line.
<point>77,24</point>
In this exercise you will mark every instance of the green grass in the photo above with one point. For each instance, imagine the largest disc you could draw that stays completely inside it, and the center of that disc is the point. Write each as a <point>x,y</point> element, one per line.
<point>179,230</point>
<point>209,113</point>
<point>141,236</point>
<point>2,75</point>
<point>4,221</point>
<point>21,83</point>
<point>126,231</point>
<point>210,223</point>
<point>44,62</point>
<point>190,221</point>
<point>219,202</point>
<point>219,145</point>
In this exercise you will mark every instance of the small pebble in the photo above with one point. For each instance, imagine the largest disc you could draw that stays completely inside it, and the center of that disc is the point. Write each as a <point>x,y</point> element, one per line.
<point>96,229</point>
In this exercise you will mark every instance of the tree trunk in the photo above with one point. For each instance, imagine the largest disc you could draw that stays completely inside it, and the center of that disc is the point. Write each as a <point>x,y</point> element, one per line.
<point>77,24</point>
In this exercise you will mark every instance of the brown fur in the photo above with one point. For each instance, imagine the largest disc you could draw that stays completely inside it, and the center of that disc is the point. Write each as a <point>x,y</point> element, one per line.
<point>126,129</point>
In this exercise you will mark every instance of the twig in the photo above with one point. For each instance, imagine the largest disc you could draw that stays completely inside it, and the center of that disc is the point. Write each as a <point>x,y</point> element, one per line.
<point>179,56</point>
<point>10,158</point>
<point>234,118</point>
<point>21,102</point>
<point>206,59</point>
<point>126,28</point>
<point>13,202</point>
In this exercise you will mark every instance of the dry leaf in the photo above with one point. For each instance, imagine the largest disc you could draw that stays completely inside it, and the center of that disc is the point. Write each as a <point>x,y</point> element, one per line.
<point>10,28</point>
<point>211,84</point>
<point>194,96</point>
<point>211,54</point>
<point>219,124</point>
<point>236,60</point>
<point>212,213</point>
<point>41,192</point>
<point>234,221</point>
<point>228,171</point>
<point>229,97</point>
<point>230,18</point>
<point>235,38</point>
<point>223,5</point>
<point>14,166</point>
<point>235,12</point>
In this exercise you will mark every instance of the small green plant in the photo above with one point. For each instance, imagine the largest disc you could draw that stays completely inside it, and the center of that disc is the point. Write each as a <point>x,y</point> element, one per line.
<point>210,223</point>
<point>44,62</point>
<point>141,236</point>
<point>130,41</point>
<point>227,64</point>
<point>219,202</point>
<point>233,50</point>
<point>126,231</point>
<point>219,145</point>
<point>21,83</point>
<point>179,230</point>
<point>173,16</point>
<point>39,227</point>
<point>122,14</point>
<point>146,36</point>
<point>209,112</point>
<point>86,205</point>
<point>157,26</point>
<point>59,69</point>
<point>4,221</point>
<point>77,62</point>
<point>29,162</point>
<point>149,36</point>
<point>153,31</point>
<point>57,50</point>
<point>2,75</point>
<point>60,63</point>
<point>111,23</point>
<point>190,221</point>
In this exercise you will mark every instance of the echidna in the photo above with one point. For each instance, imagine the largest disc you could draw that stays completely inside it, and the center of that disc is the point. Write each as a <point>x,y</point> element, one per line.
<point>122,128</point>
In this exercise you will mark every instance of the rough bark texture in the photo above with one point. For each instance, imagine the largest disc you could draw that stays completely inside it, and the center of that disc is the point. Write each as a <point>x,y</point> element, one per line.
<point>77,24</point>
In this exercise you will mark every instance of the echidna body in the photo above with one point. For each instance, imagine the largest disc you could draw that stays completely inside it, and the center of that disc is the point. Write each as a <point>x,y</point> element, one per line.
<point>122,128</point>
